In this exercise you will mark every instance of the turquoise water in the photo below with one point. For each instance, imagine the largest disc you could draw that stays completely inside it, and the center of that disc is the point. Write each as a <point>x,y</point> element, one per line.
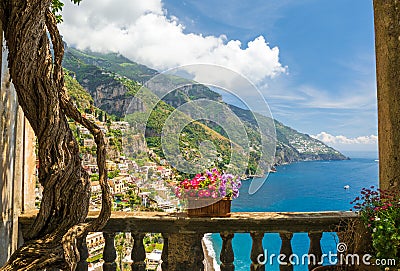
<point>305,186</point>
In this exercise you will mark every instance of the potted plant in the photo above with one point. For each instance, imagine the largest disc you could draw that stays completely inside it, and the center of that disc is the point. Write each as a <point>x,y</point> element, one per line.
<point>209,193</point>
<point>379,210</point>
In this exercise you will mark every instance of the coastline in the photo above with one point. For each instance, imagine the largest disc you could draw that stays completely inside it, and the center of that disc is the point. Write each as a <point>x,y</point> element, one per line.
<point>284,163</point>
<point>210,263</point>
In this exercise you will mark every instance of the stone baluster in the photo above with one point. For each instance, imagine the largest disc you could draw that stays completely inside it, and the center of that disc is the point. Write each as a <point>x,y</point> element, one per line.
<point>286,249</point>
<point>164,255</point>
<point>227,256</point>
<point>109,253</point>
<point>199,253</point>
<point>185,252</point>
<point>138,252</point>
<point>256,251</point>
<point>82,265</point>
<point>315,252</point>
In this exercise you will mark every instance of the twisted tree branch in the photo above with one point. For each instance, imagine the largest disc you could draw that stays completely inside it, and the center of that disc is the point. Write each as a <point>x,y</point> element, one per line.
<point>39,83</point>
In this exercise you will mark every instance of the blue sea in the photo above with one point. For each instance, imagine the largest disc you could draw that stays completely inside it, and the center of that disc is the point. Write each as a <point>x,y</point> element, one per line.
<point>301,187</point>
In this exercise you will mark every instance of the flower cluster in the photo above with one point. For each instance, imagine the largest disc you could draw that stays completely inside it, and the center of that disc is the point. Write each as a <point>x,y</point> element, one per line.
<point>380,212</point>
<point>210,184</point>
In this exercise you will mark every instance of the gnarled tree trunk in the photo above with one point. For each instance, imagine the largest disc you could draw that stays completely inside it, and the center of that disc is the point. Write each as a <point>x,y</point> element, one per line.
<point>39,82</point>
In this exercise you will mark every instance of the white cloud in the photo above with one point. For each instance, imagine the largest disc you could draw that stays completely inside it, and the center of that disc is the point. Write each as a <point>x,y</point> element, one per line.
<point>359,96</point>
<point>142,31</point>
<point>340,139</point>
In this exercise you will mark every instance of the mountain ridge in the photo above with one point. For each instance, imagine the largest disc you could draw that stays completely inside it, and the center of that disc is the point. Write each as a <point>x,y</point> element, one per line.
<point>112,80</point>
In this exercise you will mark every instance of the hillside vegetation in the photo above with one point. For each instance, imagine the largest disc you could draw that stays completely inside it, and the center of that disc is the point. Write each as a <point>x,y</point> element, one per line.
<point>112,81</point>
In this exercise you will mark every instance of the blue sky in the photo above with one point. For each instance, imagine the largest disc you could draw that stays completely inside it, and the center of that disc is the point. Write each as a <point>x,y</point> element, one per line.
<point>320,53</point>
<point>328,47</point>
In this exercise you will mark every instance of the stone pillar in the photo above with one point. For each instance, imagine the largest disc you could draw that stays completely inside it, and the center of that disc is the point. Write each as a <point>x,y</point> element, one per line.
<point>227,255</point>
<point>387,43</point>
<point>315,248</point>
<point>10,162</point>
<point>138,252</point>
<point>185,252</point>
<point>18,177</point>
<point>29,167</point>
<point>164,255</point>
<point>256,251</point>
<point>17,163</point>
<point>109,253</point>
<point>286,249</point>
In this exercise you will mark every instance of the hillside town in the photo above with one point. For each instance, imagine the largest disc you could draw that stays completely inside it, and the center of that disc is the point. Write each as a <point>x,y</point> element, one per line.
<point>304,145</point>
<point>136,184</point>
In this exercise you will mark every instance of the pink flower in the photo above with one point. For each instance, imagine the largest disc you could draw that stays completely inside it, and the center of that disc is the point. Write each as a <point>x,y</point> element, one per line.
<point>192,194</point>
<point>208,184</point>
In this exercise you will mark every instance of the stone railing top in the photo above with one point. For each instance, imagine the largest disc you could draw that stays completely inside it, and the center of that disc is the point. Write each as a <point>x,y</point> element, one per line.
<point>238,222</point>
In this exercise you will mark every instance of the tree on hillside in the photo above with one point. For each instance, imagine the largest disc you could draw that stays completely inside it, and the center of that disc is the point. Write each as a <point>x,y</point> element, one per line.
<point>39,82</point>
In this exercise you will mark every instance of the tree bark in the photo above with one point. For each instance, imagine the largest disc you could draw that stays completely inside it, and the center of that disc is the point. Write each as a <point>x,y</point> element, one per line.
<point>39,83</point>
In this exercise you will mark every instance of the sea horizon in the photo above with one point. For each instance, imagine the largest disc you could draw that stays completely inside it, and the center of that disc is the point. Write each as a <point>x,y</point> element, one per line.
<point>300,187</point>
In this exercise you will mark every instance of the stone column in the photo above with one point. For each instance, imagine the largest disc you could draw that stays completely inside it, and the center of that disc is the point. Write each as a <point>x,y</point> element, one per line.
<point>11,162</point>
<point>109,253</point>
<point>185,252</point>
<point>256,251</point>
<point>18,177</point>
<point>29,167</point>
<point>138,252</point>
<point>387,42</point>
<point>17,163</point>
<point>227,255</point>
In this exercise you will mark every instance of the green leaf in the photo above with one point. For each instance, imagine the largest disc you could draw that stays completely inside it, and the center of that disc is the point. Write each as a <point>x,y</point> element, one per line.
<point>57,6</point>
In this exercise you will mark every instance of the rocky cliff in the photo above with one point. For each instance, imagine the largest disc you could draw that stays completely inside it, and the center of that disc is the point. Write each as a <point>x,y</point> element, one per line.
<point>112,80</point>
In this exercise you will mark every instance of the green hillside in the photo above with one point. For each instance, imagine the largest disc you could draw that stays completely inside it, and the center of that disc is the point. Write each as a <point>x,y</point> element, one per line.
<point>113,93</point>
<point>112,80</point>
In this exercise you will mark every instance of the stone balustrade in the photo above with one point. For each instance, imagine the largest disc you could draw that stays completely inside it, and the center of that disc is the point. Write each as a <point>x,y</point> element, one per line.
<point>182,236</point>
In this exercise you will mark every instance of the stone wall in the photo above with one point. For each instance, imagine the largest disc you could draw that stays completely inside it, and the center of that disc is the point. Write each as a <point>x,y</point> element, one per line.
<point>387,47</point>
<point>17,163</point>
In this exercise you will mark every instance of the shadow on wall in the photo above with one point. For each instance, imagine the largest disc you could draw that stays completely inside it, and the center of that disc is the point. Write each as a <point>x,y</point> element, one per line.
<point>8,120</point>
